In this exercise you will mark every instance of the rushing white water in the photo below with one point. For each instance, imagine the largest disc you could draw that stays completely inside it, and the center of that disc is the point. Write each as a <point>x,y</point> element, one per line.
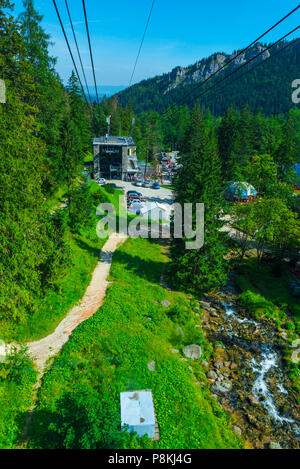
<point>232,313</point>
<point>281,388</point>
<point>268,360</point>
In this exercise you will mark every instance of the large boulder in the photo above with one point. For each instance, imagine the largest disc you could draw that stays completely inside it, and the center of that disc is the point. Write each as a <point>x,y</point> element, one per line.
<point>221,388</point>
<point>204,304</point>
<point>274,445</point>
<point>192,351</point>
<point>151,366</point>
<point>253,400</point>
<point>165,303</point>
<point>212,375</point>
<point>237,430</point>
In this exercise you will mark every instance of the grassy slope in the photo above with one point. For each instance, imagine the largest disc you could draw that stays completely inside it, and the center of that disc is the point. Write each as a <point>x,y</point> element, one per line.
<point>51,308</point>
<point>17,377</point>
<point>133,326</point>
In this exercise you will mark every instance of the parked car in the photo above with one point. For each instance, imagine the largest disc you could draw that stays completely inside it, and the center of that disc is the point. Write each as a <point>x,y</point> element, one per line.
<point>133,197</point>
<point>101,181</point>
<point>130,193</point>
<point>137,202</point>
<point>156,186</point>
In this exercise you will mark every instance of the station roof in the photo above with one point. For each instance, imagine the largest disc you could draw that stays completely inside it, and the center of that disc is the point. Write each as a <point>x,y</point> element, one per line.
<point>111,140</point>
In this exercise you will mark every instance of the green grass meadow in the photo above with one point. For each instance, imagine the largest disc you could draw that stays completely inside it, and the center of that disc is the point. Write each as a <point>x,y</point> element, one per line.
<point>109,353</point>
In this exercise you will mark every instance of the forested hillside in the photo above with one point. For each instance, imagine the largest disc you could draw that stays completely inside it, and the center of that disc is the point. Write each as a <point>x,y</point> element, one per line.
<point>163,300</point>
<point>267,87</point>
<point>44,133</point>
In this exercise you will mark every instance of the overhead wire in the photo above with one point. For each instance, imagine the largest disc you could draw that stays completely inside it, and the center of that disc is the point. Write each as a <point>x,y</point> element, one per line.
<point>90,49</point>
<point>142,42</point>
<point>234,58</point>
<point>70,51</point>
<point>78,51</point>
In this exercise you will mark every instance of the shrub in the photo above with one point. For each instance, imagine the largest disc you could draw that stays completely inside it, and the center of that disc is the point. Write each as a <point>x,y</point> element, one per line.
<point>259,306</point>
<point>17,378</point>
<point>290,326</point>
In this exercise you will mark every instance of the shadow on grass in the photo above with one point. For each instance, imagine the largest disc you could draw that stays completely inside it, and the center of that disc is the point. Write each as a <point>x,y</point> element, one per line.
<point>85,246</point>
<point>147,269</point>
<point>40,434</point>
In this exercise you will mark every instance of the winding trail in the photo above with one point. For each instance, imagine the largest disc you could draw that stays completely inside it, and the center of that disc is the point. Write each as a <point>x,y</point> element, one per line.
<point>43,349</point>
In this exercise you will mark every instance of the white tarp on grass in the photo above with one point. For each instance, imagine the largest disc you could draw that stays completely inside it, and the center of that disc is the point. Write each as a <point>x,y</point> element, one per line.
<point>137,412</point>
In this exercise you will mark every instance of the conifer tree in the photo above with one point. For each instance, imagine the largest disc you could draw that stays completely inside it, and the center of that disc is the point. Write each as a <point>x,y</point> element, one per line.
<point>245,146</point>
<point>25,243</point>
<point>98,124</point>
<point>199,182</point>
<point>285,156</point>
<point>227,143</point>
<point>49,98</point>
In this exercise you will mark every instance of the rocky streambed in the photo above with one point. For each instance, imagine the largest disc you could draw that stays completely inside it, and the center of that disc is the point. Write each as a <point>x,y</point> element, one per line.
<point>248,375</point>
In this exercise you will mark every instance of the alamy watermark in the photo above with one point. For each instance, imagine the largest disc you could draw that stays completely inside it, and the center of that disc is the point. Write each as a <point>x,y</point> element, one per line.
<point>296,93</point>
<point>2,92</point>
<point>2,351</point>
<point>155,221</point>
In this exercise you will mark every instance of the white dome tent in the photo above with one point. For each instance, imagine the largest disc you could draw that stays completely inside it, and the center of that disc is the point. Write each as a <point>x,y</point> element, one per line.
<point>238,190</point>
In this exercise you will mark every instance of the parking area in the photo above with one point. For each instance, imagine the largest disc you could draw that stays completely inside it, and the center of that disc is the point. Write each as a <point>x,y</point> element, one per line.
<point>161,196</point>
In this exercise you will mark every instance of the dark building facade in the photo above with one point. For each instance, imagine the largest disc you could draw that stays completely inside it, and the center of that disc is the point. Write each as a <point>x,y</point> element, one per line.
<point>115,157</point>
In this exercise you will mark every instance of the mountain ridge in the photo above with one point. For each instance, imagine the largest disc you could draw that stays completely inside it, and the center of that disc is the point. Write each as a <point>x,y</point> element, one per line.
<point>165,90</point>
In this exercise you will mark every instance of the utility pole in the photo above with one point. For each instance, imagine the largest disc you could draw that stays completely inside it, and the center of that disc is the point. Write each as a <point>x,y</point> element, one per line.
<point>147,155</point>
<point>132,125</point>
<point>108,125</point>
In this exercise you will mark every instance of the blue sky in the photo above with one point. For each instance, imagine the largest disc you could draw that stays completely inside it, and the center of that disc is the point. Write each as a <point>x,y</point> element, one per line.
<point>180,32</point>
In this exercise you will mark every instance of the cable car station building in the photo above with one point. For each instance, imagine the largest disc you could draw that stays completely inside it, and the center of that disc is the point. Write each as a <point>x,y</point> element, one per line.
<point>115,158</point>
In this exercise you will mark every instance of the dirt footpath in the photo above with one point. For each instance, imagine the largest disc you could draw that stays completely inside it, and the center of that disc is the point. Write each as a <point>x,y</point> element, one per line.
<point>43,349</point>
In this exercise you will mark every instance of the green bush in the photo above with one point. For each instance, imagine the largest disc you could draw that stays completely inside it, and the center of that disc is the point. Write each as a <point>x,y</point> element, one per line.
<point>110,189</point>
<point>180,314</point>
<point>17,379</point>
<point>80,208</point>
<point>290,326</point>
<point>258,306</point>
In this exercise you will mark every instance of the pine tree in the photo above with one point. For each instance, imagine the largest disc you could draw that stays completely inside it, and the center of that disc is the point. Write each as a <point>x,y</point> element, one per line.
<point>285,156</point>
<point>127,117</point>
<point>245,142</point>
<point>24,222</point>
<point>78,113</point>
<point>227,143</point>
<point>199,182</point>
<point>49,98</point>
<point>98,124</point>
